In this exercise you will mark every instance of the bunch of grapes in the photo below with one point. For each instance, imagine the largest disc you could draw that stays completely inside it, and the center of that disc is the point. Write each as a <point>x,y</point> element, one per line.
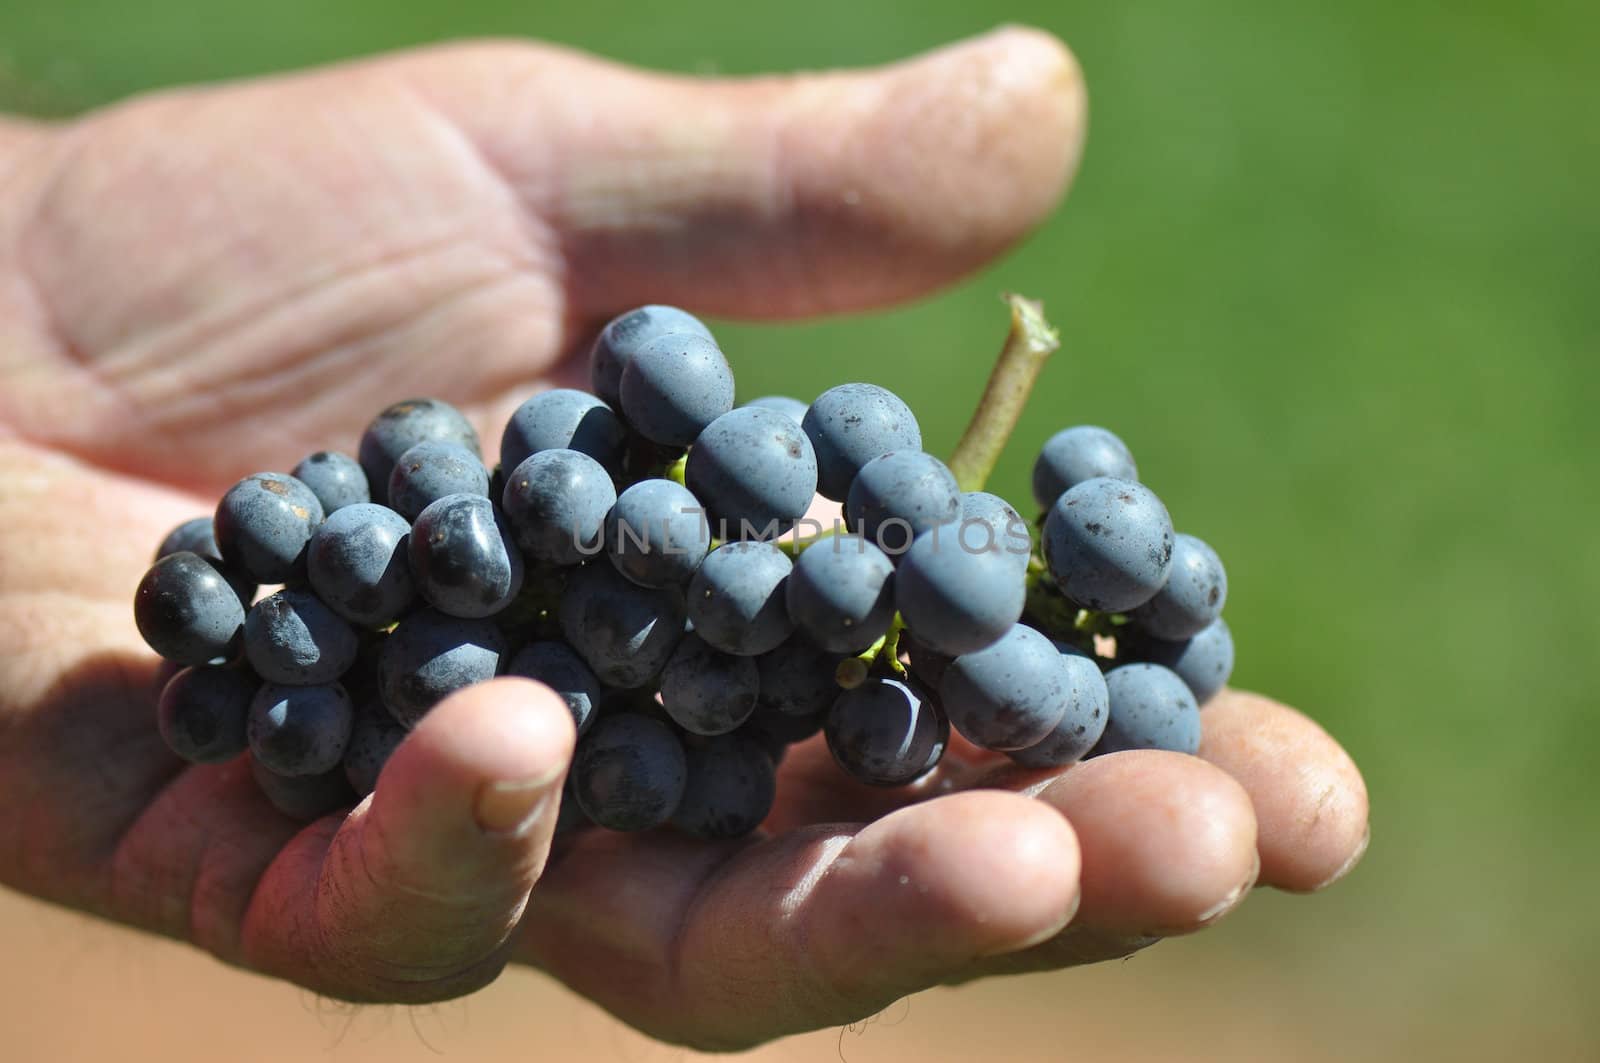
<point>645,551</point>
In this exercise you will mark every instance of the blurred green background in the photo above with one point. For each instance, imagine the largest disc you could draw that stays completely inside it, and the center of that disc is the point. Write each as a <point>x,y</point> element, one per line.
<point>1333,270</point>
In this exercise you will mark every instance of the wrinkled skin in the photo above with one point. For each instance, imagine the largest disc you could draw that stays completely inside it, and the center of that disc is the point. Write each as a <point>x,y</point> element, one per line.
<point>204,283</point>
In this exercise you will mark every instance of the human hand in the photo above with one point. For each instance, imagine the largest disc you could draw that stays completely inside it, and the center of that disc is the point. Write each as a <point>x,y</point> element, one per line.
<point>200,284</point>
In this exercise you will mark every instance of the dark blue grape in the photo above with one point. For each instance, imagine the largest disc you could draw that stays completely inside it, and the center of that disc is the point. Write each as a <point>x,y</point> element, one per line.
<point>556,502</point>
<point>886,732</point>
<point>1083,722</point>
<point>1073,455</point>
<point>657,534</point>
<point>841,593</point>
<point>263,525</point>
<point>292,638</point>
<point>954,600</point>
<point>430,655</point>
<point>797,679</point>
<point>899,495</point>
<point>706,691</point>
<point>754,471</point>
<point>193,536</point>
<point>373,740</point>
<point>1010,695</point>
<point>565,419</point>
<point>674,386</point>
<point>558,666</point>
<point>793,409</point>
<point>336,479</point>
<point>1192,597</point>
<point>623,631</point>
<point>401,427</point>
<point>187,612</point>
<point>730,788</point>
<point>203,710</point>
<point>629,772</point>
<point>1109,544</point>
<point>431,470</point>
<point>300,730</point>
<point>303,797</point>
<point>990,524</point>
<point>1151,708</point>
<point>357,563</point>
<point>1204,662</point>
<point>737,598</point>
<point>462,557</point>
<point>851,424</point>
<point>623,335</point>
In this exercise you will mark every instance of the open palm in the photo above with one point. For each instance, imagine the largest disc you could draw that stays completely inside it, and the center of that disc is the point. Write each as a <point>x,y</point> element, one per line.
<point>203,284</point>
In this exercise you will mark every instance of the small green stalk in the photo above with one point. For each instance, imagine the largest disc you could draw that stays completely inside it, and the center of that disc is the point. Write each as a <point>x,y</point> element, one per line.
<point>1029,343</point>
<point>883,654</point>
<point>674,472</point>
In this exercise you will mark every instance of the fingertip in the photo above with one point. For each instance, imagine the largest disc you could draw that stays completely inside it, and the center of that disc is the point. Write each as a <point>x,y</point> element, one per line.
<point>1309,796</point>
<point>1169,841</point>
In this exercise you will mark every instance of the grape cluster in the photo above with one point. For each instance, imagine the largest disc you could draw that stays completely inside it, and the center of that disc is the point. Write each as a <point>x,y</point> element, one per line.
<point>645,551</point>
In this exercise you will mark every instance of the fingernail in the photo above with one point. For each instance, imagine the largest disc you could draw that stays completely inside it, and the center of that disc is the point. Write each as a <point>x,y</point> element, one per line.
<point>512,807</point>
<point>1348,865</point>
<point>1231,901</point>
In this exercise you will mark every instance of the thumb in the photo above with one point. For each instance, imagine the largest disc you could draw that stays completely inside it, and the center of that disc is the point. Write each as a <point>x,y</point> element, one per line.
<point>772,196</point>
<point>422,885</point>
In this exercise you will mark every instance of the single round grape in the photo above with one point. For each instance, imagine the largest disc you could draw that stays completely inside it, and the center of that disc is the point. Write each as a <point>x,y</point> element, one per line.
<point>674,386</point>
<point>292,638</point>
<point>1010,695</point>
<point>841,593</point>
<point>373,739</point>
<point>556,502</point>
<point>886,732</point>
<point>187,612</point>
<point>335,478</point>
<point>706,691</point>
<point>956,601</point>
<point>623,632</point>
<point>462,557</point>
<point>899,495</point>
<point>629,772</point>
<point>263,524</point>
<point>565,419</point>
<point>731,784</point>
<point>1192,597</point>
<point>558,666</point>
<point>1073,455</point>
<point>1151,708</point>
<point>737,598</point>
<point>431,470</point>
<point>194,536</point>
<point>797,679</point>
<point>301,730</point>
<point>1204,662</point>
<point>656,534</point>
<point>793,409</point>
<point>990,524</point>
<point>358,564</point>
<point>203,710</point>
<point>401,427</point>
<point>431,655</point>
<point>303,798</point>
<point>624,334</point>
<point>754,470</point>
<point>1109,544</point>
<point>851,424</point>
<point>1083,722</point>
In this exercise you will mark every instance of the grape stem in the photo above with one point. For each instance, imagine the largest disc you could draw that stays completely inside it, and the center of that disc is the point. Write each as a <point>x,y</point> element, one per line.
<point>1029,343</point>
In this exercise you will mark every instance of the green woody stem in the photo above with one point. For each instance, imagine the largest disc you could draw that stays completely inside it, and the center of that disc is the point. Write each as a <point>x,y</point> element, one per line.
<point>1029,343</point>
